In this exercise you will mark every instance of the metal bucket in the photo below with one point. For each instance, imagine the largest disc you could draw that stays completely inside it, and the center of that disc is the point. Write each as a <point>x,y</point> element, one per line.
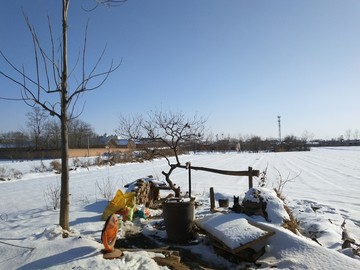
<point>223,202</point>
<point>178,218</point>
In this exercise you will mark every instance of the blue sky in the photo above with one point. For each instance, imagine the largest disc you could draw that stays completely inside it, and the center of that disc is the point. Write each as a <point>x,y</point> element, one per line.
<point>239,64</point>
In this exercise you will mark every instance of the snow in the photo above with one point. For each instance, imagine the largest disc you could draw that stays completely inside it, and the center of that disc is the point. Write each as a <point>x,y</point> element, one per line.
<point>274,206</point>
<point>232,229</point>
<point>325,191</point>
<point>290,251</point>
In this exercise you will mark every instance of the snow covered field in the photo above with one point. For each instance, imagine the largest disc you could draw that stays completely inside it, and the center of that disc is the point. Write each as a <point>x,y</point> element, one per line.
<point>325,179</point>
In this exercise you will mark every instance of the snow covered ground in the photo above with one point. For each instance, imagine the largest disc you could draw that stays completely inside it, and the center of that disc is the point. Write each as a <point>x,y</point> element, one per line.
<point>324,191</point>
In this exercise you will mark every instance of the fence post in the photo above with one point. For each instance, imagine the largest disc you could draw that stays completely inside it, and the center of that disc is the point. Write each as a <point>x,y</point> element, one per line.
<point>188,166</point>
<point>212,199</point>
<point>250,177</point>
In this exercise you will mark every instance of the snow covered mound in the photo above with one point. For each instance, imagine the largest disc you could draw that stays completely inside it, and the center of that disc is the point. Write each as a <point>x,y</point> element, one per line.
<point>273,207</point>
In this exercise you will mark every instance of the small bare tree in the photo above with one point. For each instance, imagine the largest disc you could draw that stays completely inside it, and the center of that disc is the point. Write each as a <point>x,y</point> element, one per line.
<point>282,182</point>
<point>106,188</point>
<point>52,78</point>
<point>52,196</point>
<point>163,130</point>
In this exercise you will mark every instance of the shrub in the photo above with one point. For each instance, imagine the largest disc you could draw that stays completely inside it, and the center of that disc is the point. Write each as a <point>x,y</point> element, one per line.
<point>292,224</point>
<point>106,188</point>
<point>8,174</point>
<point>56,166</point>
<point>98,161</point>
<point>40,168</point>
<point>52,196</point>
<point>15,173</point>
<point>3,173</point>
<point>263,177</point>
<point>282,182</point>
<point>76,162</point>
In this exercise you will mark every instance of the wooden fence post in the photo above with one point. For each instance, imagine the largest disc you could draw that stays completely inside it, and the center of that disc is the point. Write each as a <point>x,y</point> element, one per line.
<point>212,199</point>
<point>250,177</point>
<point>188,166</point>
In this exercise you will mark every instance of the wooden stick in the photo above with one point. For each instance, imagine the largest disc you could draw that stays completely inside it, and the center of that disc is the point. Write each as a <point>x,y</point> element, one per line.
<point>250,177</point>
<point>212,199</point>
<point>235,173</point>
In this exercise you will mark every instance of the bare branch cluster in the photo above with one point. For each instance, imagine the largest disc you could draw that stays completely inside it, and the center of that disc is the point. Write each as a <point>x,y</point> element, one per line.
<point>48,77</point>
<point>110,2</point>
<point>106,188</point>
<point>107,3</point>
<point>263,177</point>
<point>165,128</point>
<point>166,131</point>
<point>282,182</point>
<point>52,196</point>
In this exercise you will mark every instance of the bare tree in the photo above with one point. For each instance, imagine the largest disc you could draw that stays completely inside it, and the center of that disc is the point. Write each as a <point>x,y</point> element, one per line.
<point>254,144</point>
<point>348,134</point>
<point>36,123</point>
<point>356,134</point>
<point>169,131</point>
<point>79,133</point>
<point>52,131</point>
<point>307,136</point>
<point>52,78</point>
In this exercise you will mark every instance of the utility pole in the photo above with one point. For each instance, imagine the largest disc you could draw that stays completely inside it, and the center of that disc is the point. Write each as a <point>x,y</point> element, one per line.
<point>279,123</point>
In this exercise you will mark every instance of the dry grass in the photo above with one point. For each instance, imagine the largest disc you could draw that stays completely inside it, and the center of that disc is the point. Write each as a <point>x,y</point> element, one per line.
<point>292,224</point>
<point>56,166</point>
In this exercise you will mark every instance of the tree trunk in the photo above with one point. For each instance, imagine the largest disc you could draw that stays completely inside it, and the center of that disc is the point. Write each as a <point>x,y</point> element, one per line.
<point>64,195</point>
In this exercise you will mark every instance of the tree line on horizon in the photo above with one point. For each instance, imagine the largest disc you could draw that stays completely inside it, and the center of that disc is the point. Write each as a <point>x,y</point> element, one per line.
<point>43,132</point>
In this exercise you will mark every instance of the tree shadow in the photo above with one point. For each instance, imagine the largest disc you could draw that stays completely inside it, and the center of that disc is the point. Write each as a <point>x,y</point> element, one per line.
<point>68,256</point>
<point>97,207</point>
